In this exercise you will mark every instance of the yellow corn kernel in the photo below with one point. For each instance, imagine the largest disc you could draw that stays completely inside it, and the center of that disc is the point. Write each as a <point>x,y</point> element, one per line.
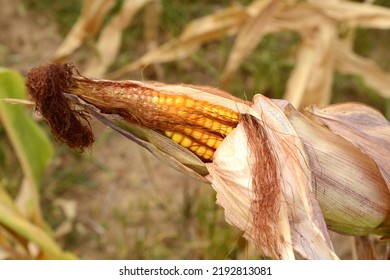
<point>222,129</point>
<point>168,133</point>
<point>189,102</point>
<point>208,154</point>
<point>155,99</point>
<point>211,142</point>
<point>208,123</point>
<point>186,142</point>
<point>187,131</point>
<point>217,143</point>
<point>214,112</point>
<point>216,126</point>
<point>199,120</point>
<point>197,134</point>
<point>161,100</point>
<point>177,137</point>
<point>229,129</point>
<point>194,147</point>
<point>182,113</point>
<point>179,101</point>
<point>222,112</point>
<point>228,114</point>
<point>169,100</point>
<point>201,151</point>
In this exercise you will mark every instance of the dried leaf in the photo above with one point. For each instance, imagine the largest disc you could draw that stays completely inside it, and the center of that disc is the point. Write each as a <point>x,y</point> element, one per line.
<point>309,235</point>
<point>350,63</point>
<point>197,32</point>
<point>151,21</point>
<point>355,14</point>
<point>111,36</point>
<point>250,35</point>
<point>69,208</point>
<point>18,101</point>
<point>88,24</point>
<point>232,172</point>
<point>231,177</point>
<point>311,79</point>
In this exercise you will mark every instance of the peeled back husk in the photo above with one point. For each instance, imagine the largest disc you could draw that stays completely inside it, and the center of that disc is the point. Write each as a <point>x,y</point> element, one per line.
<point>348,184</point>
<point>274,205</point>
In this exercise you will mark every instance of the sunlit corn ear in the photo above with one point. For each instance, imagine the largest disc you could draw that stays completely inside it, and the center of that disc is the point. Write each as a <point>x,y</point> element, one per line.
<point>159,145</point>
<point>264,183</point>
<point>347,183</point>
<point>182,125</point>
<point>278,175</point>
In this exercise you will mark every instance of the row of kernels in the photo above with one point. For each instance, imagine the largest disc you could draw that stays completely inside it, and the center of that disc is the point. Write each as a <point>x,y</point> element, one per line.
<point>203,151</point>
<point>179,138</point>
<point>215,111</point>
<point>200,150</point>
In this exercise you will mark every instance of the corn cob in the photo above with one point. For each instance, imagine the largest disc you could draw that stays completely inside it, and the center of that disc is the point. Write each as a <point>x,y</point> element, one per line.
<point>196,125</point>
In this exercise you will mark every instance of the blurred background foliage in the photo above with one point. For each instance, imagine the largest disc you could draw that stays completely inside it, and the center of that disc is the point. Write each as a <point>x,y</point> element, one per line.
<point>117,201</point>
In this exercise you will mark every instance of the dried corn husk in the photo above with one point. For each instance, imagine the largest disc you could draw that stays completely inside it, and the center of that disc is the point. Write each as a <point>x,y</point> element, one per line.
<point>363,126</point>
<point>341,170</point>
<point>238,175</point>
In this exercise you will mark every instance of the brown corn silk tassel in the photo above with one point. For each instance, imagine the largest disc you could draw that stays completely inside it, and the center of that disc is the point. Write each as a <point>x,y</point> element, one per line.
<point>197,125</point>
<point>265,205</point>
<point>46,86</point>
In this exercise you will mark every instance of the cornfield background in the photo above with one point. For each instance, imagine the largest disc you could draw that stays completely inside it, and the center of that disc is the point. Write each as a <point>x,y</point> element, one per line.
<point>117,201</point>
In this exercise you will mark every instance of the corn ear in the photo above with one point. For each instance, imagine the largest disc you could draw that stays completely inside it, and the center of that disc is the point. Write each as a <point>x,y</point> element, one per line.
<point>160,146</point>
<point>282,178</point>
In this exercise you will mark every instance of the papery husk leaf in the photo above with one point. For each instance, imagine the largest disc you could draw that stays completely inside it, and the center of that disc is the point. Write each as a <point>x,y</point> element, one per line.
<point>363,126</point>
<point>231,177</point>
<point>309,234</point>
<point>347,184</point>
<point>299,220</point>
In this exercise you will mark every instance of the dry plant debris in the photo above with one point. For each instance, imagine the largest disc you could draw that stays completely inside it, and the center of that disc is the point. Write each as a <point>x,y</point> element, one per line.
<point>325,28</point>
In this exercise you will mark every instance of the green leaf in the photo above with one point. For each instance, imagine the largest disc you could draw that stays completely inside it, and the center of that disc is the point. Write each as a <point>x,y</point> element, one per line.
<point>28,140</point>
<point>31,232</point>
